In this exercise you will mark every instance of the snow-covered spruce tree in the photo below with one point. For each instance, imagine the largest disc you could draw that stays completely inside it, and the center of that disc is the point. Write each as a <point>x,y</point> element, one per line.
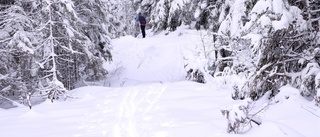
<point>166,14</point>
<point>232,50</point>
<point>105,19</point>
<point>113,18</point>
<point>284,41</point>
<point>121,17</point>
<point>269,48</point>
<point>307,81</point>
<point>275,66</point>
<point>259,38</point>
<point>209,14</point>
<point>98,24</point>
<point>65,54</point>
<point>16,51</point>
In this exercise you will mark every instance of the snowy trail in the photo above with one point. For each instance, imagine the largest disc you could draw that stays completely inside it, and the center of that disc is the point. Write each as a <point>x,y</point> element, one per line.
<point>150,60</point>
<point>134,109</point>
<point>179,109</point>
<point>153,110</point>
<point>125,111</point>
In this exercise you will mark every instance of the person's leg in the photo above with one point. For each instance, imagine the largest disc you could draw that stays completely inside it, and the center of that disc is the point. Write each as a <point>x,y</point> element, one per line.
<point>143,30</point>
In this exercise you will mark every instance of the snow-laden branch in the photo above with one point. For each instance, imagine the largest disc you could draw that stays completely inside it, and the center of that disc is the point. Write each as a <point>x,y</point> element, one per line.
<point>5,40</point>
<point>12,101</point>
<point>263,68</point>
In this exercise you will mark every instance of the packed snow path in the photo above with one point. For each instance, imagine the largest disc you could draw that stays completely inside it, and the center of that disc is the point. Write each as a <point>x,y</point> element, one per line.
<point>149,60</point>
<point>159,58</point>
<point>154,110</point>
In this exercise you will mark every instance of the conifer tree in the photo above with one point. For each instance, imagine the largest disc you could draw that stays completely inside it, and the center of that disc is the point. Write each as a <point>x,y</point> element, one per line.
<point>16,51</point>
<point>66,54</point>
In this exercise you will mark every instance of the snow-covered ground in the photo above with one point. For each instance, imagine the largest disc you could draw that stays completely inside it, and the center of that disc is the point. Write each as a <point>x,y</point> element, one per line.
<point>146,95</point>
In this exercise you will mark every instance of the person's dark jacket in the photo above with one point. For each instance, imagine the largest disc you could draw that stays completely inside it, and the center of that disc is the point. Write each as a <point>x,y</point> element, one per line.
<point>142,20</point>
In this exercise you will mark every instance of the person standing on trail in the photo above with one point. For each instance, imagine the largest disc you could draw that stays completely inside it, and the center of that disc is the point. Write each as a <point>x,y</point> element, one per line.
<point>142,20</point>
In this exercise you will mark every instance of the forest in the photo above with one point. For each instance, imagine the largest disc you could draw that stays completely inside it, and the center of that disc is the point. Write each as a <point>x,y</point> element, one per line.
<point>48,47</point>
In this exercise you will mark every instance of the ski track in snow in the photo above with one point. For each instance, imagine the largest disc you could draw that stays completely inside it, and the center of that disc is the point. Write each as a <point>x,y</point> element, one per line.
<point>125,112</point>
<point>153,110</point>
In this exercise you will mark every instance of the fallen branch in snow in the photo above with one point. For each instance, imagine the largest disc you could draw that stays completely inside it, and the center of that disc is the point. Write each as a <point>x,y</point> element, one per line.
<point>12,101</point>
<point>255,121</point>
<point>239,118</point>
<point>122,84</point>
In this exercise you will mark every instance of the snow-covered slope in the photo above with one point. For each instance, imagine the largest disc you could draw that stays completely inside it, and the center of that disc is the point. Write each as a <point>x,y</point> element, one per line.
<point>148,61</point>
<point>159,58</point>
<point>148,97</point>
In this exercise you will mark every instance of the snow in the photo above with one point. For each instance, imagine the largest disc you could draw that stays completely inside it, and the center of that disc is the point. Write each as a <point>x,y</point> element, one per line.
<point>237,12</point>
<point>301,110</point>
<point>284,22</point>
<point>311,69</point>
<point>268,15</point>
<point>177,4</point>
<point>148,97</point>
<point>278,6</point>
<point>317,80</point>
<point>261,6</point>
<point>68,30</point>
<point>255,40</point>
<point>21,41</point>
<point>69,5</point>
<point>197,13</point>
<point>147,61</point>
